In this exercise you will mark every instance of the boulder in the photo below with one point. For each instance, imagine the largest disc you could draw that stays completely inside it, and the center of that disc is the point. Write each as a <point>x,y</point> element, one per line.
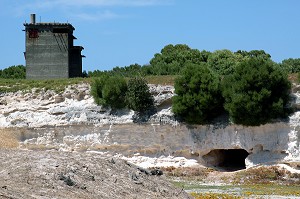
<point>58,99</point>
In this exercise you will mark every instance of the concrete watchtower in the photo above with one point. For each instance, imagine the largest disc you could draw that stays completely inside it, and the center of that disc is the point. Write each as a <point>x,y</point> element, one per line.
<point>50,51</point>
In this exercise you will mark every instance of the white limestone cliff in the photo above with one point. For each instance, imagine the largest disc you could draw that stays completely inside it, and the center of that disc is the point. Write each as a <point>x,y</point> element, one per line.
<point>52,116</point>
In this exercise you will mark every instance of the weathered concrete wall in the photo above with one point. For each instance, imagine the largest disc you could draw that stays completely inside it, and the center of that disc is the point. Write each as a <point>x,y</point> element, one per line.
<point>50,51</point>
<point>47,56</point>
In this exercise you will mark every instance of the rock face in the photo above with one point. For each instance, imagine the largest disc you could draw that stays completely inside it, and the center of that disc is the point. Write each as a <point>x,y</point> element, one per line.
<point>76,123</point>
<point>74,106</point>
<point>47,108</point>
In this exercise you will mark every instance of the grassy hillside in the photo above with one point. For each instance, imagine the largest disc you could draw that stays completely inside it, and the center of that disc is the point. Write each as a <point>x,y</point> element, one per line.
<point>58,85</point>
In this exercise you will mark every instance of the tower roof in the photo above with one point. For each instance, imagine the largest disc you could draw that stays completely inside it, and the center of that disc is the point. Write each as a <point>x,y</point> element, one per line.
<point>54,25</point>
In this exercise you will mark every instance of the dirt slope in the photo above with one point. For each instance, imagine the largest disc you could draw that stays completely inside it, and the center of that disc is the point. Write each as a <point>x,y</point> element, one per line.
<point>52,174</point>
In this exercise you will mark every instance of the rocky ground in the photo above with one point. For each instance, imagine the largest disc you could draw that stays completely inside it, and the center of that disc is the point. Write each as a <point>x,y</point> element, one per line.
<point>56,174</point>
<point>51,174</point>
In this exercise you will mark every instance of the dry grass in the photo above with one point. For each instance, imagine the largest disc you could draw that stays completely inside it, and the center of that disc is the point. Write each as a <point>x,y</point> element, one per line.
<point>246,191</point>
<point>293,78</point>
<point>25,85</point>
<point>214,196</point>
<point>270,189</point>
<point>253,182</point>
<point>58,85</point>
<point>187,172</point>
<point>266,175</point>
<point>8,139</point>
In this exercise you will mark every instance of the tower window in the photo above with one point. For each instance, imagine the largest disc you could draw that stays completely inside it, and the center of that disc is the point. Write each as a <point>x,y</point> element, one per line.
<point>33,33</point>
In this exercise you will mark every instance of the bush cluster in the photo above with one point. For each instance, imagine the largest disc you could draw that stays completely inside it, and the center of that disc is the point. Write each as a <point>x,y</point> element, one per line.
<point>198,94</point>
<point>254,93</point>
<point>172,59</point>
<point>115,92</point>
<point>109,91</point>
<point>13,72</point>
<point>291,65</point>
<point>138,96</point>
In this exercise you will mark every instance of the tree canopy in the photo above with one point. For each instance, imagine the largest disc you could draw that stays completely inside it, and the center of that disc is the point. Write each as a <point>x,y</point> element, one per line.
<point>13,72</point>
<point>198,96</point>
<point>138,96</point>
<point>224,62</point>
<point>172,59</point>
<point>256,92</point>
<point>291,65</point>
<point>109,91</point>
<point>254,54</point>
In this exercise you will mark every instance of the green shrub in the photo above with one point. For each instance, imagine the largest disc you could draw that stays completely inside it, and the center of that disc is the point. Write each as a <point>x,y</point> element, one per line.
<point>254,54</point>
<point>13,72</point>
<point>96,89</point>
<point>223,62</point>
<point>172,59</point>
<point>198,96</point>
<point>291,65</point>
<point>138,96</point>
<point>114,92</point>
<point>109,91</point>
<point>256,92</point>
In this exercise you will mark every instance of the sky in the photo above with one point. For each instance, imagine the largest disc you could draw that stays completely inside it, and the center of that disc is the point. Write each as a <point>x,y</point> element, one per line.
<point>123,32</point>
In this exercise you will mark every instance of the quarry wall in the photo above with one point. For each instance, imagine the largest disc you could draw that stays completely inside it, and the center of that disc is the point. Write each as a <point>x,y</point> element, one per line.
<point>73,122</point>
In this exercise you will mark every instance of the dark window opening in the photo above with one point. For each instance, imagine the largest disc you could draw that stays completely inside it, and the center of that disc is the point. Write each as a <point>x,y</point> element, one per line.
<point>227,159</point>
<point>33,33</point>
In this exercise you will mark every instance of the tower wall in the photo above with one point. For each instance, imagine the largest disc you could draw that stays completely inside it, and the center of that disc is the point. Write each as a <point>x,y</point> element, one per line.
<point>50,53</point>
<point>47,56</point>
<point>75,62</point>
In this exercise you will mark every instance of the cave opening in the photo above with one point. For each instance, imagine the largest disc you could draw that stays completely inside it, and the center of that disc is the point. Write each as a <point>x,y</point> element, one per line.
<point>227,159</point>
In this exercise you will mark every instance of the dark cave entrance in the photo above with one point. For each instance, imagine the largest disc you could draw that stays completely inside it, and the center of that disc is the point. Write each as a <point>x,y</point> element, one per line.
<point>227,159</point>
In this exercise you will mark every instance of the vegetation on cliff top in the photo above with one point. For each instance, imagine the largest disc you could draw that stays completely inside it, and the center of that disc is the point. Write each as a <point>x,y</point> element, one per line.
<point>115,92</point>
<point>58,85</point>
<point>255,89</point>
<point>13,72</point>
<point>109,91</point>
<point>198,96</point>
<point>256,92</point>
